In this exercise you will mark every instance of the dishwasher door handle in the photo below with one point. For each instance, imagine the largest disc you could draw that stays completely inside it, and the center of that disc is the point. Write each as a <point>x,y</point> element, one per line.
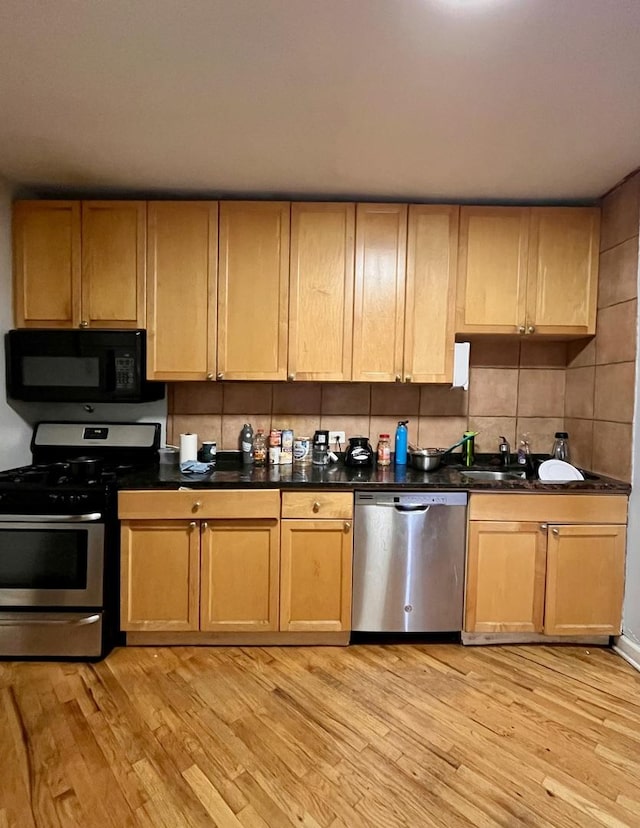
<point>412,509</point>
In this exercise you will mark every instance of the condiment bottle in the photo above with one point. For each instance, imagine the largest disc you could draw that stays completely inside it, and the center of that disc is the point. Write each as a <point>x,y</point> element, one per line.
<point>260,448</point>
<point>384,450</point>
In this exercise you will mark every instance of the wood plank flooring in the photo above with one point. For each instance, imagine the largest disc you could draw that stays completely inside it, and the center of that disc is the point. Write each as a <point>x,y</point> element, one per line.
<point>358,737</point>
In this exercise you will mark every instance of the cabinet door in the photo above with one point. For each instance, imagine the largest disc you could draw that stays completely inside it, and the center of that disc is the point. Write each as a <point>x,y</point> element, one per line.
<point>378,318</point>
<point>321,285</point>
<point>492,269</point>
<point>182,240</point>
<point>113,264</point>
<point>505,577</point>
<point>46,253</point>
<point>160,573</point>
<point>253,293</point>
<point>431,290</point>
<point>315,580</point>
<point>240,575</point>
<point>585,580</point>
<point>563,270</point>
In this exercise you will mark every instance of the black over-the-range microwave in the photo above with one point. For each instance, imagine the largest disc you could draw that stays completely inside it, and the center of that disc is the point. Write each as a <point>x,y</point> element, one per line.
<point>79,366</point>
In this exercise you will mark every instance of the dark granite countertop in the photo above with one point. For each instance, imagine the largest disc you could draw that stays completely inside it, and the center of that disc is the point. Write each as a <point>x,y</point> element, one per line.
<point>229,473</point>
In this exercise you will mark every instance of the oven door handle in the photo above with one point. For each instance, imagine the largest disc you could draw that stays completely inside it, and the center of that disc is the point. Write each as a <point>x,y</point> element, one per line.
<point>92,516</point>
<point>65,622</point>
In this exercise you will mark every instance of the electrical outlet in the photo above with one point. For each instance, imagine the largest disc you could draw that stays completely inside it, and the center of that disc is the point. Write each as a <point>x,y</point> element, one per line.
<point>337,437</point>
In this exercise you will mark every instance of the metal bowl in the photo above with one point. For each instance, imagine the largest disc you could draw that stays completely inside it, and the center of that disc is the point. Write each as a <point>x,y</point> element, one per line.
<point>427,459</point>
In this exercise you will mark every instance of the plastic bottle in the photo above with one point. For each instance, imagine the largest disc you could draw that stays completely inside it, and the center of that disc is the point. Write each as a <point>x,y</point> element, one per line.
<point>384,450</point>
<point>260,448</point>
<point>561,447</point>
<point>401,443</point>
<point>246,442</point>
<point>469,449</point>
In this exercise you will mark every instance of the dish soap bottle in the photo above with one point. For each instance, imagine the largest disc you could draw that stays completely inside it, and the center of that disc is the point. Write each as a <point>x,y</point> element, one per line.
<point>523,451</point>
<point>246,442</point>
<point>401,443</point>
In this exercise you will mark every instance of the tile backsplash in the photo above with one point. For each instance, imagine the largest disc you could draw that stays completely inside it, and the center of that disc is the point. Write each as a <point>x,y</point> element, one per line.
<point>514,387</point>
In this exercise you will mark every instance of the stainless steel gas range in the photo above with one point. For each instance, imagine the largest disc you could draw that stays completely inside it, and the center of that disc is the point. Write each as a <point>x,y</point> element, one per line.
<point>59,538</point>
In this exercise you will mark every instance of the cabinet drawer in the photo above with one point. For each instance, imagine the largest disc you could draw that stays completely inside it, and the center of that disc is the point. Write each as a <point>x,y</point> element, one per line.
<point>317,504</point>
<point>549,508</point>
<point>230,503</point>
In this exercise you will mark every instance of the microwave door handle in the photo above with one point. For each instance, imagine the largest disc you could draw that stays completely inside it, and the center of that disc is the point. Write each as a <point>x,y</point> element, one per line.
<point>92,517</point>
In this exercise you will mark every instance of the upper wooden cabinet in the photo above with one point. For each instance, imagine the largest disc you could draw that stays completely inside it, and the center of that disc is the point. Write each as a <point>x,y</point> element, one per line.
<point>182,246</point>
<point>380,267</point>
<point>321,285</point>
<point>253,292</point>
<point>527,270</point>
<point>431,290</point>
<point>79,264</point>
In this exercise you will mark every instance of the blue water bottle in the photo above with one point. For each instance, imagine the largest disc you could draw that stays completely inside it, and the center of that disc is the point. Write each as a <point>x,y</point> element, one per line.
<point>401,443</point>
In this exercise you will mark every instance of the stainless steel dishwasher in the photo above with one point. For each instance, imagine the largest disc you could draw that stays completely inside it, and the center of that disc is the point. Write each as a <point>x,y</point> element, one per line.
<point>408,564</point>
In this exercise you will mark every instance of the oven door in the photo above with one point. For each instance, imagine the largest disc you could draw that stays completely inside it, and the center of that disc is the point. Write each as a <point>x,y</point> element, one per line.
<point>51,560</point>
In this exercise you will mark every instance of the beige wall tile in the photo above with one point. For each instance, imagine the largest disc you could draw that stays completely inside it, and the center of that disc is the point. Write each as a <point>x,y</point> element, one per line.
<point>612,449</point>
<point>438,400</point>
<point>620,214</point>
<point>206,426</point>
<point>490,430</point>
<point>196,398</point>
<point>615,392</point>
<point>493,392</point>
<point>398,400</point>
<point>441,432</point>
<point>495,354</point>
<point>616,337</point>
<point>581,352</point>
<point>541,392</point>
<point>387,425</point>
<point>296,398</point>
<point>618,277</point>
<point>540,431</point>
<point>535,354</point>
<point>580,442</point>
<point>346,398</point>
<point>580,385</point>
<point>244,397</point>
<point>352,426</point>
<point>232,426</point>
<point>303,425</point>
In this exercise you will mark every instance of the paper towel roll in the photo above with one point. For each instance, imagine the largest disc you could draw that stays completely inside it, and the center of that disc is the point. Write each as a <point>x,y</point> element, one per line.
<point>188,447</point>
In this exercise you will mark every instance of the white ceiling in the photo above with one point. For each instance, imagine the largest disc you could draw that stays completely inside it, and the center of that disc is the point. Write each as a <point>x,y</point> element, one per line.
<point>424,99</point>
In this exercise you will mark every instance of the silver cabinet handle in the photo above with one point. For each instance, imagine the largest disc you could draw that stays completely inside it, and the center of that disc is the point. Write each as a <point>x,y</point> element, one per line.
<point>205,525</point>
<point>84,324</point>
<point>531,329</point>
<point>521,329</point>
<point>316,507</point>
<point>544,527</point>
<point>210,376</point>
<point>291,377</point>
<point>193,524</point>
<point>407,378</point>
<point>196,506</point>
<point>220,375</point>
<point>555,531</point>
<point>398,377</point>
<point>347,526</point>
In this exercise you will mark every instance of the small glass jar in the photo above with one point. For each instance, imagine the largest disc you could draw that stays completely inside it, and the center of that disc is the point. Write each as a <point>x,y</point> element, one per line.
<point>560,448</point>
<point>384,450</point>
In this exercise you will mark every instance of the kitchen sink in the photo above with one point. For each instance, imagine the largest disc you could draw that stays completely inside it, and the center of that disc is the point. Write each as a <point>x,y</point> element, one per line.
<point>480,474</point>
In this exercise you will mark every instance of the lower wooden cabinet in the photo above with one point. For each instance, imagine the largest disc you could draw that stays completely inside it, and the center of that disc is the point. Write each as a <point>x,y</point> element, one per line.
<point>546,575</point>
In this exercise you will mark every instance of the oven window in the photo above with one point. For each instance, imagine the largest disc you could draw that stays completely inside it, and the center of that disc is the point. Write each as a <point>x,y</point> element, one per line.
<point>68,372</point>
<point>43,559</point>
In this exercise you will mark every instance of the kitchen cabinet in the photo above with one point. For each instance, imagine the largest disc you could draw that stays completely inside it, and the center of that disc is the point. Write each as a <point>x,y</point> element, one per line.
<point>321,291</point>
<point>527,270</point>
<point>79,264</point>
<point>316,562</point>
<point>545,563</point>
<point>253,291</point>
<point>182,245</point>
<point>204,560</point>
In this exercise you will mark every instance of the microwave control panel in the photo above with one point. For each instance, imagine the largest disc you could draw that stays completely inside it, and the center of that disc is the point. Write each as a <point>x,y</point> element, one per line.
<point>125,372</point>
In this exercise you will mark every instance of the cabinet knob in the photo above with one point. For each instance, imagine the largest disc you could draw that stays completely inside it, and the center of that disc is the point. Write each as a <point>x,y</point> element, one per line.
<point>209,376</point>
<point>219,375</point>
<point>193,524</point>
<point>531,329</point>
<point>544,527</point>
<point>407,378</point>
<point>291,377</point>
<point>521,328</point>
<point>84,324</point>
<point>196,506</point>
<point>347,526</point>
<point>205,525</point>
<point>398,377</point>
<point>316,506</point>
<point>555,531</point>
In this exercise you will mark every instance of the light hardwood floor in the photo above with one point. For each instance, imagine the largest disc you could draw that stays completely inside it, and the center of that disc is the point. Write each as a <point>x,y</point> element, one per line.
<point>412,735</point>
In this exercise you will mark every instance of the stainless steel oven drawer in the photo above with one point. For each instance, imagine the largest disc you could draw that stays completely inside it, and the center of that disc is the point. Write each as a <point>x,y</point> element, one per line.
<point>57,634</point>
